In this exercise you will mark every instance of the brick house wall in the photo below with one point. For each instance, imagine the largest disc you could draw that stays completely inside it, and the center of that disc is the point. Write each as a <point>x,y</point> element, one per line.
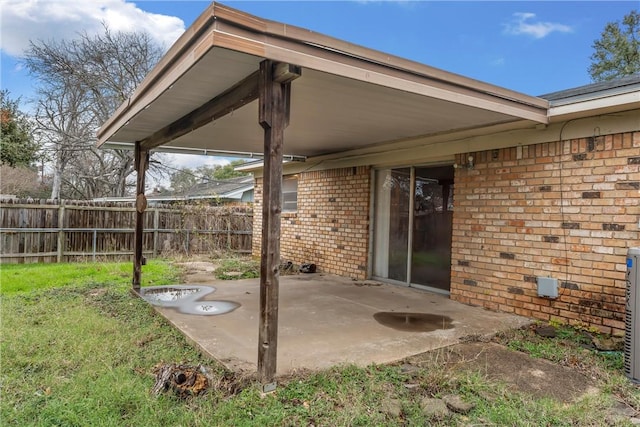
<point>331,225</point>
<point>567,210</point>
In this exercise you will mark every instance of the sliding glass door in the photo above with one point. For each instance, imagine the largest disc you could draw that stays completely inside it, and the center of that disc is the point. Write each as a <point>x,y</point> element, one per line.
<point>393,205</point>
<point>413,224</point>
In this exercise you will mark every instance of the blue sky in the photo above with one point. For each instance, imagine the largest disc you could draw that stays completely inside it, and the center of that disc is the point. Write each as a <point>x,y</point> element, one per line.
<point>531,47</point>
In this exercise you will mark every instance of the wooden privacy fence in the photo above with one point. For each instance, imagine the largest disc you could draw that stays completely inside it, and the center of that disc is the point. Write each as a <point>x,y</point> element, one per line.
<point>48,231</point>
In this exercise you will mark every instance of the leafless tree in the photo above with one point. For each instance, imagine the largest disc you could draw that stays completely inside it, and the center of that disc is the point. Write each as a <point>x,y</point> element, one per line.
<point>22,181</point>
<point>81,82</point>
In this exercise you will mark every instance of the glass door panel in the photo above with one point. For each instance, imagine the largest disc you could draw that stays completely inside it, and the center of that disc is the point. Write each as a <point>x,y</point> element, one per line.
<point>432,227</point>
<point>391,235</point>
<point>400,190</point>
<point>413,224</point>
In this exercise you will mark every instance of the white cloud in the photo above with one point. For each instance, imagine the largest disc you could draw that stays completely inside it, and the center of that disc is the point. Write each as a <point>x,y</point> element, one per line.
<point>523,23</point>
<point>24,20</point>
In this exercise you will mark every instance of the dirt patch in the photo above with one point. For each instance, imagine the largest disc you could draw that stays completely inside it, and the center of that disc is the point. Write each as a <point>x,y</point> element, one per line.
<point>97,293</point>
<point>200,278</point>
<point>198,266</point>
<point>366,283</point>
<point>519,371</point>
<point>198,271</point>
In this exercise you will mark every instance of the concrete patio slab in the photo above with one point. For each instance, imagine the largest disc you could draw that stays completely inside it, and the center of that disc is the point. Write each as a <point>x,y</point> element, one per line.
<point>326,320</point>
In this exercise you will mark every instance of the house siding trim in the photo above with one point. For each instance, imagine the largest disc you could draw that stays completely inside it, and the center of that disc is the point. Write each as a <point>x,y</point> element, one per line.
<point>443,148</point>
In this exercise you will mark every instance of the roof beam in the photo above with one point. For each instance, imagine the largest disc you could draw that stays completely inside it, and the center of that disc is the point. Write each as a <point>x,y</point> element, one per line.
<point>201,151</point>
<point>232,99</point>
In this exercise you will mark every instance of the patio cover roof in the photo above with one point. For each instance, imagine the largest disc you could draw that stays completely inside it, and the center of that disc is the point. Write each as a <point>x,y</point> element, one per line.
<point>347,96</point>
<point>234,82</point>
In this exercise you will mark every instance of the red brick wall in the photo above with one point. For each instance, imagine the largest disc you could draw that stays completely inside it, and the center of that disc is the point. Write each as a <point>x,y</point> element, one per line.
<point>566,210</point>
<point>331,225</point>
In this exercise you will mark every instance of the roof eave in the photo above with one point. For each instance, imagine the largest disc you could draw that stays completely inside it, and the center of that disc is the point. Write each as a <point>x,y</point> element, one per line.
<point>221,26</point>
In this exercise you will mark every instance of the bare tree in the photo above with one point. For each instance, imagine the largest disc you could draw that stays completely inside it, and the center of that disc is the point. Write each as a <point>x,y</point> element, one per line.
<point>185,178</point>
<point>22,181</point>
<point>64,122</point>
<point>81,83</point>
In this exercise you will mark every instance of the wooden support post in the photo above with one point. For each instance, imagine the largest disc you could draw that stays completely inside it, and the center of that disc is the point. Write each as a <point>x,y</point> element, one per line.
<point>141,165</point>
<point>274,92</point>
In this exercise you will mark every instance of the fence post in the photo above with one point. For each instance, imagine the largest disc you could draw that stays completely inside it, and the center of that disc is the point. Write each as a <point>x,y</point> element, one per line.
<point>229,232</point>
<point>156,224</point>
<point>95,244</point>
<point>61,231</point>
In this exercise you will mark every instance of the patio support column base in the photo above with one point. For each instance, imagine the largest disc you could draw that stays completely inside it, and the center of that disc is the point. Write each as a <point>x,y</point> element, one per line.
<point>141,157</point>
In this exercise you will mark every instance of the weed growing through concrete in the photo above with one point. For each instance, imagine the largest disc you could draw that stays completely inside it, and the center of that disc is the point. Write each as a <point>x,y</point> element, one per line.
<point>238,268</point>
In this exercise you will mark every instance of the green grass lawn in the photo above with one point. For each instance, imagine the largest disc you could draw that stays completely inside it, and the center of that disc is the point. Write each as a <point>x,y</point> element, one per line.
<point>20,278</point>
<point>78,350</point>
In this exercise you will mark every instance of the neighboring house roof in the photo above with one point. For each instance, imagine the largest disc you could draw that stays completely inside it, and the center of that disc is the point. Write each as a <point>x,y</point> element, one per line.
<point>224,190</point>
<point>595,99</point>
<point>228,189</point>
<point>594,90</point>
<point>347,96</point>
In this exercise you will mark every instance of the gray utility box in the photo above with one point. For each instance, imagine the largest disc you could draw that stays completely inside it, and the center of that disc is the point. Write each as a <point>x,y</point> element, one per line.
<point>632,317</point>
<point>547,287</point>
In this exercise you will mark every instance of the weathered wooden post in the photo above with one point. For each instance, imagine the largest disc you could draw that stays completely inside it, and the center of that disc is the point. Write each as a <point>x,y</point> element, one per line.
<point>141,165</point>
<point>156,224</point>
<point>61,237</point>
<point>274,89</point>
